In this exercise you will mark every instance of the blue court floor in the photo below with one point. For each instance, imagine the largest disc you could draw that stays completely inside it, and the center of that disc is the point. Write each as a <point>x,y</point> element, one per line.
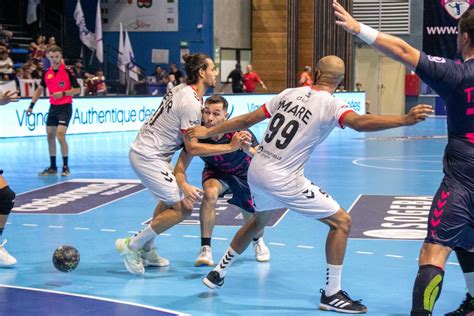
<point>400,162</point>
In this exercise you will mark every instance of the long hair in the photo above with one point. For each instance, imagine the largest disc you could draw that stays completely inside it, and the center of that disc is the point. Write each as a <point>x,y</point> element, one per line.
<point>194,63</point>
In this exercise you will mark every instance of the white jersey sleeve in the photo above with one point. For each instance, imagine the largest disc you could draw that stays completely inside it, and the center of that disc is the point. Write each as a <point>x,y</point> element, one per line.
<point>161,135</point>
<point>335,111</point>
<point>272,106</point>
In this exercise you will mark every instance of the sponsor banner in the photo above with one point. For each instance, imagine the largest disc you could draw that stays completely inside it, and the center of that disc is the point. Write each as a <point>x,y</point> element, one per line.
<point>228,214</point>
<point>114,114</point>
<point>390,217</point>
<point>140,15</point>
<point>440,22</point>
<point>75,196</point>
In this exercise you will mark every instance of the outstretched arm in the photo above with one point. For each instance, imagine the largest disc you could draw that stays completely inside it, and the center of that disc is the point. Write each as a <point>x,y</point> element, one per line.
<point>8,96</point>
<point>238,123</point>
<point>372,123</point>
<point>391,46</point>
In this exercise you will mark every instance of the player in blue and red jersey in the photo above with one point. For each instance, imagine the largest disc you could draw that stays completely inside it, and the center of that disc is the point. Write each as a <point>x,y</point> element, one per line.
<point>225,174</point>
<point>451,218</point>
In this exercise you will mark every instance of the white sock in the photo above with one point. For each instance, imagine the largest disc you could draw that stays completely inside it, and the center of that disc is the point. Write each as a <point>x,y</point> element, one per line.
<point>138,240</point>
<point>469,277</point>
<point>226,261</point>
<point>149,244</point>
<point>333,279</point>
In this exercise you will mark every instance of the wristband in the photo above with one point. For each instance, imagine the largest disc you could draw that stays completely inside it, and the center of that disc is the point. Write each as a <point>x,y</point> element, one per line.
<point>64,93</point>
<point>367,34</point>
<point>32,104</point>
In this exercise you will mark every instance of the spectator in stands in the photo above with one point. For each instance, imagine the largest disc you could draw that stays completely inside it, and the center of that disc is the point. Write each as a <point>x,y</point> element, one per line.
<point>171,82</point>
<point>52,41</point>
<point>236,78</point>
<point>6,66</point>
<point>101,87</point>
<point>367,102</point>
<point>38,48</point>
<point>160,75</point>
<point>37,69</point>
<point>5,36</point>
<point>306,78</point>
<point>18,77</point>
<point>250,80</point>
<point>26,71</point>
<point>179,78</point>
<point>341,88</point>
<point>78,69</point>
<point>96,84</point>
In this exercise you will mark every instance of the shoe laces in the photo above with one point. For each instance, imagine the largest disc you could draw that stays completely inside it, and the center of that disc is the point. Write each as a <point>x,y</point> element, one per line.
<point>358,302</point>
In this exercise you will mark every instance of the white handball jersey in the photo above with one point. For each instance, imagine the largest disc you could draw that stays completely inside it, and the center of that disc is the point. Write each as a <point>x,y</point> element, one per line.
<point>300,119</point>
<point>162,134</point>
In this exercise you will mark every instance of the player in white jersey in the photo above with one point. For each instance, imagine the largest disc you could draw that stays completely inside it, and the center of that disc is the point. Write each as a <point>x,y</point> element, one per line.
<point>150,157</point>
<point>300,119</point>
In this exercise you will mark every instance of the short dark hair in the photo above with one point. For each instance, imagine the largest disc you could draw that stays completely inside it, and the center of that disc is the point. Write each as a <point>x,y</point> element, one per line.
<point>194,63</point>
<point>466,24</point>
<point>215,98</point>
<point>54,49</point>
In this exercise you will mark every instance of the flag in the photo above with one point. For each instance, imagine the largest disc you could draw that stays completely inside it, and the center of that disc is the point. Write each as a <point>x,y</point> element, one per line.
<point>120,63</point>
<point>87,37</point>
<point>129,58</point>
<point>99,50</point>
<point>31,11</point>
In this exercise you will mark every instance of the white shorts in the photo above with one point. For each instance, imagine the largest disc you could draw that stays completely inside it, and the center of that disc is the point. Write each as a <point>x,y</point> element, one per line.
<point>299,195</point>
<point>157,176</point>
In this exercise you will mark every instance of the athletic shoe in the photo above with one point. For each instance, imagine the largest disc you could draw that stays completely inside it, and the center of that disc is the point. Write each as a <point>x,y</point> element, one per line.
<point>466,308</point>
<point>49,171</point>
<point>66,172</point>
<point>205,257</point>
<point>151,258</point>
<point>213,280</point>
<point>262,253</point>
<point>342,303</point>
<point>6,259</point>
<point>131,258</point>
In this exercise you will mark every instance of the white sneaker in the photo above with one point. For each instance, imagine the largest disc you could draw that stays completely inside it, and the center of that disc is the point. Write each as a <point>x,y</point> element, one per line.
<point>131,258</point>
<point>151,258</point>
<point>205,257</point>
<point>6,259</point>
<point>262,253</point>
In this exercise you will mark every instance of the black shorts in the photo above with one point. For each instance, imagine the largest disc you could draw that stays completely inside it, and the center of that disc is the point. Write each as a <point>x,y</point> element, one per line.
<point>451,219</point>
<point>238,186</point>
<point>59,115</point>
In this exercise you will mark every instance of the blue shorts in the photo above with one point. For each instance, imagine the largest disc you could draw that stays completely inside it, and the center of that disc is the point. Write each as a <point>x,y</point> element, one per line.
<point>237,185</point>
<point>451,218</point>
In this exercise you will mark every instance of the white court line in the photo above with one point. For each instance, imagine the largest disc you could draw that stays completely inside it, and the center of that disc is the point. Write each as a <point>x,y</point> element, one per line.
<point>52,226</point>
<point>453,263</point>
<point>305,247</point>
<point>8,223</point>
<point>190,236</point>
<point>132,232</point>
<point>108,230</point>
<point>30,225</point>
<point>275,244</point>
<point>365,252</point>
<point>95,298</point>
<point>81,228</point>
<point>352,205</point>
<point>167,235</point>
<point>219,238</point>
<point>394,256</point>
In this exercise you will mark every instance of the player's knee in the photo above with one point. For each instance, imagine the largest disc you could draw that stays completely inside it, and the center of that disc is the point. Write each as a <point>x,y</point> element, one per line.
<point>344,222</point>
<point>61,136</point>
<point>7,200</point>
<point>185,212</point>
<point>211,194</point>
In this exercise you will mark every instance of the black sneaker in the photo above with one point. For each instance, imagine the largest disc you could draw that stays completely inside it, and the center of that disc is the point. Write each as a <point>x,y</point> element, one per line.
<point>213,280</point>
<point>342,303</point>
<point>66,172</point>
<point>49,171</point>
<point>466,308</point>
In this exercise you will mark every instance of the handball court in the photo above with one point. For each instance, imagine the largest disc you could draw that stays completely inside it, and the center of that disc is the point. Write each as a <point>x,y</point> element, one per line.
<point>378,176</point>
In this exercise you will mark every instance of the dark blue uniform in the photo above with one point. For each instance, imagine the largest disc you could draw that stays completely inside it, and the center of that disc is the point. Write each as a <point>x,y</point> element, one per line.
<point>451,219</point>
<point>232,169</point>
